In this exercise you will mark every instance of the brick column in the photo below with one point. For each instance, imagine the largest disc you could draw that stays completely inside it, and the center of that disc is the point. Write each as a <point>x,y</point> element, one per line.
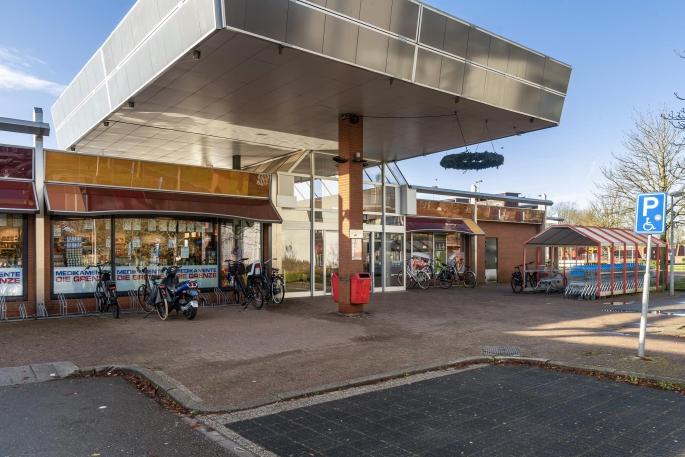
<point>350,140</point>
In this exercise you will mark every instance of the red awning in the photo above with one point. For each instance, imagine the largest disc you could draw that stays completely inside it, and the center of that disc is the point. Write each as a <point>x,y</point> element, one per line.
<point>65,199</point>
<point>420,224</point>
<point>18,197</point>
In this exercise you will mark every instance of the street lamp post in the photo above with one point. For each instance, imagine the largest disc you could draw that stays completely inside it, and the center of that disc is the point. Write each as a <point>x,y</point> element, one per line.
<point>671,277</point>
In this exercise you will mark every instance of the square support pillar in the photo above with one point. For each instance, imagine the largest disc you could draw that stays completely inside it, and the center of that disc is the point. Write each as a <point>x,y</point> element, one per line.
<point>351,204</point>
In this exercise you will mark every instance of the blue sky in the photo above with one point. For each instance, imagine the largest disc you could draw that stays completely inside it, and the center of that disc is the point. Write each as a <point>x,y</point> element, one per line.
<point>621,53</point>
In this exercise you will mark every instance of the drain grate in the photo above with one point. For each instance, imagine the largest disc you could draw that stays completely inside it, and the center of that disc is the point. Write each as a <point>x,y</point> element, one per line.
<point>502,350</point>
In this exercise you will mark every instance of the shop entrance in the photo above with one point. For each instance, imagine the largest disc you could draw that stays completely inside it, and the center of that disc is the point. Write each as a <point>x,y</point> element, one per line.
<point>330,257</point>
<point>491,259</point>
<point>373,258</point>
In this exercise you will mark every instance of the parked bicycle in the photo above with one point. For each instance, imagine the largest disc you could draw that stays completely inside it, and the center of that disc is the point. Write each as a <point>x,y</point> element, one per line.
<point>145,289</point>
<point>447,274</point>
<point>106,291</point>
<point>467,278</point>
<point>518,283</point>
<point>274,286</point>
<point>250,292</point>
<point>411,279</point>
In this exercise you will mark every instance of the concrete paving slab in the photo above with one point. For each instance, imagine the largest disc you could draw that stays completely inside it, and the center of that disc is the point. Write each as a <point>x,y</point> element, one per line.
<point>10,376</point>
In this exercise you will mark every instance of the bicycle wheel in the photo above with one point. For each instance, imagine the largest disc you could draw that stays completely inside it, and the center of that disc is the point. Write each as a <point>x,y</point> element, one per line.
<point>422,279</point>
<point>163,309</point>
<point>445,279</point>
<point>516,284</point>
<point>100,298</point>
<point>278,290</point>
<point>114,306</point>
<point>257,293</point>
<point>470,279</point>
<point>144,298</point>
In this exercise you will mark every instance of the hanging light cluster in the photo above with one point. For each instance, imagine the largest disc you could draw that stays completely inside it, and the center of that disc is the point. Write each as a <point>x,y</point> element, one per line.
<point>472,160</point>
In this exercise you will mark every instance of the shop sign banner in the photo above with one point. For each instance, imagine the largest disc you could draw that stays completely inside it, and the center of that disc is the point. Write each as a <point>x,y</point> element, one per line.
<point>206,275</point>
<point>74,280</point>
<point>10,282</point>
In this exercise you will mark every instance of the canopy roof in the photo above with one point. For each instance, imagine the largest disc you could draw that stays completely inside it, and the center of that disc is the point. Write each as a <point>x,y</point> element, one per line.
<point>576,235</point>
<point>199,81</point>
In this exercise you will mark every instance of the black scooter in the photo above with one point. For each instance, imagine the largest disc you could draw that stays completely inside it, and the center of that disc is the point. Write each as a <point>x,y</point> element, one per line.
<point>181,297</point>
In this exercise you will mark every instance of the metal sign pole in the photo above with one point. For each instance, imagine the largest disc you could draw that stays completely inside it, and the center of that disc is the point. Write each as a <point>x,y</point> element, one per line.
<point>645,300</point>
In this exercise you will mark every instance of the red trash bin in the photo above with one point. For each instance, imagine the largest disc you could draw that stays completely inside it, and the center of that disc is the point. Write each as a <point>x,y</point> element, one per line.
<point>360,288</point>
<point>334,285</point>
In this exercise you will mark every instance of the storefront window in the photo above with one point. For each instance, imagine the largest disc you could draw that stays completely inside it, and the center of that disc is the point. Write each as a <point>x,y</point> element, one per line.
<point>190,244</point>
<point>76,244</point>
<point>394,245</point>
<point>303,192</point>
<point>296,260</point>
<point>12,255</point>
<point>422,249</point>
<point>318,260</point>
<point>239,239</point>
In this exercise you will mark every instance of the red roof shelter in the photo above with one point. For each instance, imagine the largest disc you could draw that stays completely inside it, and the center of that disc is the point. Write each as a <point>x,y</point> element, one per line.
<point>606,278</point>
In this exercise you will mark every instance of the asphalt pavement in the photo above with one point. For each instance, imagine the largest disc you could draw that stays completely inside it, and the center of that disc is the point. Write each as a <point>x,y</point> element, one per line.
<point>104,416</point>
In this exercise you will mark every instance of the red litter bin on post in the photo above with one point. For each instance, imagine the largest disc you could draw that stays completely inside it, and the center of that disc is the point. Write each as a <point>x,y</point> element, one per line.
<point>360,288</point>
<point>335,278</point>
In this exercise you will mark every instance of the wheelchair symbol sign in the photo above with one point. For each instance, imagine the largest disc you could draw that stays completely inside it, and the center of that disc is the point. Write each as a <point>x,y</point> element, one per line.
<point>650,213</point>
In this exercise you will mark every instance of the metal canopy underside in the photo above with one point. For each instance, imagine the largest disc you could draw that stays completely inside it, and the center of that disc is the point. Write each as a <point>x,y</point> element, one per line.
<point>572,236</point>
<point>263,96</point>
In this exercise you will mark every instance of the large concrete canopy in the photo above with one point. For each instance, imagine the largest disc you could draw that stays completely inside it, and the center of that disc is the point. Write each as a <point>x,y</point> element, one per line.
<point>198,81</point>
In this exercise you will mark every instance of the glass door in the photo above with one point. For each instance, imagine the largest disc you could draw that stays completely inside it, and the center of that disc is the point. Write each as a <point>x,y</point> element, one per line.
<point>331,257</point>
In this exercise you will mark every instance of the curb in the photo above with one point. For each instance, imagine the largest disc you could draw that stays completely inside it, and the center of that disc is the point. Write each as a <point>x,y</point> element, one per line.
<point>180,394</point>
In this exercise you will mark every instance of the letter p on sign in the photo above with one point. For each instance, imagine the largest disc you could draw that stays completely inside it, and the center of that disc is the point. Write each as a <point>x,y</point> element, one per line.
<point>649,203</point>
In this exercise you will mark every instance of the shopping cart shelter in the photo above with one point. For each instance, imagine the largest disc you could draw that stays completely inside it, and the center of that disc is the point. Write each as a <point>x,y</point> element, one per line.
<point>595,261</point>
<point>313,96</point>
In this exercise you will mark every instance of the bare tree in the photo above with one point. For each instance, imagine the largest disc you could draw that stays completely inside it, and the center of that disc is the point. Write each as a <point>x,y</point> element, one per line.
<point>654,161</point>
<point>606,211</point>
<point>569,211</point>
<point>677,119</point>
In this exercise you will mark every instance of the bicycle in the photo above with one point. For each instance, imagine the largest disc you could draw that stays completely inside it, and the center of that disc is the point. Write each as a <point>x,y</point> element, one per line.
<point>446,275</point>
<point>467,278</point>
<point>274,286</point>
<point>145,289</point>
<point>252,292</point>
<point>106,291</point>
<point>420,278</point>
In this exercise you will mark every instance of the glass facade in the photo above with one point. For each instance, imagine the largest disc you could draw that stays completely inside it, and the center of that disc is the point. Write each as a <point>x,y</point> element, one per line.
<point>296,264</point>
<point>422,247</point>
<point>76,244</point>
<point>12,252</point>
<point>195,245</point>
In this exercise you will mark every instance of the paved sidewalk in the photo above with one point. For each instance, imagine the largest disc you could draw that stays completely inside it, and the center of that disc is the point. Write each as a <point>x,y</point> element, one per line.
<point>230,356</point>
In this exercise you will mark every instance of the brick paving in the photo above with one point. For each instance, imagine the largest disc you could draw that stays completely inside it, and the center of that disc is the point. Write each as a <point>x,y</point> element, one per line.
<point>503,410</point>
<point>229,356</point>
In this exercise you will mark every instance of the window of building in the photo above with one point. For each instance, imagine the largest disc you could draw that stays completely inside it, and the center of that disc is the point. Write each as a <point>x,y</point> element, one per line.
<point>76,244</point>
<point>190,244</point>
<point>239,239</point>
<point>394,243</point>
<point>296,260</point>
<point>12,251</point>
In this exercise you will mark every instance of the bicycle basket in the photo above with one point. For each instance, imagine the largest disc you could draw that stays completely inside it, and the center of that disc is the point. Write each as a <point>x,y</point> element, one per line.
<point>238,269</point>
<point>106,276</point>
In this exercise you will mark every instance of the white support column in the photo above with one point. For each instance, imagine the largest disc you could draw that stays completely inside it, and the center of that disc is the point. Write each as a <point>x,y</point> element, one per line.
<point>39,179</point>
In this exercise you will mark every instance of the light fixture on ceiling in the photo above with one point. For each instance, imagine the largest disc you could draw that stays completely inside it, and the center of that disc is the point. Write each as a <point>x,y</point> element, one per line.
<point>392,80</point>
<point>339,159</point>
<point>280,49</point>
<point>106,124</point>
<point>532,119</point>
<point>72,149</point>
<point>197,54</point>
<point>131,104</point>
<point>456,99</point>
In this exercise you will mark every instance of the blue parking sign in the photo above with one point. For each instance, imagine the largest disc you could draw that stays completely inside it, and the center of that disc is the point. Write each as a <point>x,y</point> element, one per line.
<point>650,213</point>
